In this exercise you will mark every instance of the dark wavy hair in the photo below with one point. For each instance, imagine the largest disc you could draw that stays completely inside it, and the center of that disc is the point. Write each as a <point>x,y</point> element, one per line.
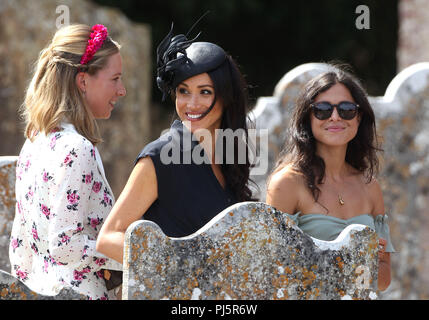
<point>300,148</point>
<point>231,89</point>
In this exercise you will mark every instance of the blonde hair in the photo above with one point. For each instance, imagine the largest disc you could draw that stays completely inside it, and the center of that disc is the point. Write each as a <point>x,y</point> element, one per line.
<point>53,95</point>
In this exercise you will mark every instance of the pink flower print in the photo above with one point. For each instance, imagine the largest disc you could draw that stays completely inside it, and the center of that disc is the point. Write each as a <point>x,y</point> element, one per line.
<point>21,275</point>
<point>85,255</point>
<point>53,262</point>
<point>78,275</point>
<point>96,187</point>
<point>93,153</point>
<point>46,264</point>
<point>100,261</point>
<point>94,222</point>
<point>53,142</point>
<point>15,243</point>
<point>106,198</point>
<point>34,247</point>
<point>46,177</point>
<point>54,139</point>
<point>45,210</point>
<point>72,198</point>
<point>68,161</point>
<point>35,235</point>
<point>64,239</point>
<point>27,165</point>
<point>78,229</point>
<point>99,274</point>
<point>34,232</point>
<point>29,194</point>
<point>19,173</point>
<point>87,178</point>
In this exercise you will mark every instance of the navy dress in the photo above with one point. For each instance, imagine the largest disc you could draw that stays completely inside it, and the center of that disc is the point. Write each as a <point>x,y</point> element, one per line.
<point>189,194</point>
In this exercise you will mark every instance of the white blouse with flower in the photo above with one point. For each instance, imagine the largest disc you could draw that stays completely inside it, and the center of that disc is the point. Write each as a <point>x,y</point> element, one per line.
<point>62,199</point>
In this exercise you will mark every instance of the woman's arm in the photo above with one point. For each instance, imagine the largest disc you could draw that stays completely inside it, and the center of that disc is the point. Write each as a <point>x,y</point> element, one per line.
<point>283,191</point>
<point>71,198</point>
<point>384,276</point>
<point>138,195</point>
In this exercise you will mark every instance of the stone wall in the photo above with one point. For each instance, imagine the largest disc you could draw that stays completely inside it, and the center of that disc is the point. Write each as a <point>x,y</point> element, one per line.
<point>13,289</point>
<point>249,251</point>
<point>413,40</point>
<point>25,31</point>
<point>7,207</point>
<point>402,117</point>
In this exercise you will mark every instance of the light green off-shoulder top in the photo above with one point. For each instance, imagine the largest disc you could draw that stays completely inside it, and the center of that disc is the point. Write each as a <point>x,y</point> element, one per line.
<point>327,228</point>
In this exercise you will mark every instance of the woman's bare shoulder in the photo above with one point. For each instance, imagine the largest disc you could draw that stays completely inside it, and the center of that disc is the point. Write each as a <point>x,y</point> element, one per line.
<point>375,194</point>
<point>285,177</point>
<point>284,189</point>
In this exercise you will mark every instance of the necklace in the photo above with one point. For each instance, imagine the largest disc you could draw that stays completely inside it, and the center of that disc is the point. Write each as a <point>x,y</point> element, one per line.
<point>340,200</point>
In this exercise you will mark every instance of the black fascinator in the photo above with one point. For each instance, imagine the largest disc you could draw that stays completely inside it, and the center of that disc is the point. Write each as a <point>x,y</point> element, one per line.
<point>179,59</point>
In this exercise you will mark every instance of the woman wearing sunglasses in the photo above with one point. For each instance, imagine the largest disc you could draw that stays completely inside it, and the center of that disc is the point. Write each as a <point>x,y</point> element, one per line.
<point>324,178</point>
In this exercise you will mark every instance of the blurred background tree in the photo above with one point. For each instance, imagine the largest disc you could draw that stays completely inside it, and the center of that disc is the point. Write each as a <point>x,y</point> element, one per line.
<point>270,37</point>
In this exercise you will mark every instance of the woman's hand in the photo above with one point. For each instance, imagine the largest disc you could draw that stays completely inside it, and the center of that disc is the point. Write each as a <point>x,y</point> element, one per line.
<point>383,265</point>
<point>138,195</point>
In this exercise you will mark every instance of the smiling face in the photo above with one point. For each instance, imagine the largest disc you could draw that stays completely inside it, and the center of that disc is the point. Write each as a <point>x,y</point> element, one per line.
<point>194,96</point>
<point>334,131</point>
<point>103,89</point>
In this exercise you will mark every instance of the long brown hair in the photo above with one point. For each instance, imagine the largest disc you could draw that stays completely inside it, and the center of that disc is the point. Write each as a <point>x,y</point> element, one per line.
<point>53,95</point>
<point>300,149</point>
<point>232,89</point>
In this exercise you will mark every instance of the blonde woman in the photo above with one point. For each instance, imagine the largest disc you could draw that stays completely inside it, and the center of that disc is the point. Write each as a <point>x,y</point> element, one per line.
<point>62,195</point>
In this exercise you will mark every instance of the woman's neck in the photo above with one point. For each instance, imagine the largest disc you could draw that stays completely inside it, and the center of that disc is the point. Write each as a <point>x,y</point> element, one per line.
<point>336,168</point>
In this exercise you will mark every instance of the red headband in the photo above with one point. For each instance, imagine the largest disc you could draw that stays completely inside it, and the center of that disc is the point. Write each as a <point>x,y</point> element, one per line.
<point>96,39</point>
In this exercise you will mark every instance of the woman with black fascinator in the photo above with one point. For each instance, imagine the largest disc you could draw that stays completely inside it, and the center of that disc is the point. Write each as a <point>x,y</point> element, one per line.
<point>187,176</point>
<point>324,178</point>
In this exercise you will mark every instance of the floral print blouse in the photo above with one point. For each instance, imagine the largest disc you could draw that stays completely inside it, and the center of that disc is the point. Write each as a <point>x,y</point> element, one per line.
<point>62,199</point>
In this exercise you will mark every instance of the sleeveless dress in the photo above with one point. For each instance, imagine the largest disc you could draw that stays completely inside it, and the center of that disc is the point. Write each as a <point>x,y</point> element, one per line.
<point>327,228</point>
<point>189,194</point>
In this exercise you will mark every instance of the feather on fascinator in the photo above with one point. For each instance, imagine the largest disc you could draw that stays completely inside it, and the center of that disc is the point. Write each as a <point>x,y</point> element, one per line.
<point>179,59</point>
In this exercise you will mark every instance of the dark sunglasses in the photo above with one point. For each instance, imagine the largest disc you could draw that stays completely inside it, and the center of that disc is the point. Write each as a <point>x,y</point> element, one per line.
<point>323,110</point>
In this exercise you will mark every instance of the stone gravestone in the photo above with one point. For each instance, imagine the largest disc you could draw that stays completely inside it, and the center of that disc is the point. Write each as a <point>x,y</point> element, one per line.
<point>402,119</point>
<point>13,289</point>
<point>7,207</point>
<point>27,27</point>
<point>249,251</point>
